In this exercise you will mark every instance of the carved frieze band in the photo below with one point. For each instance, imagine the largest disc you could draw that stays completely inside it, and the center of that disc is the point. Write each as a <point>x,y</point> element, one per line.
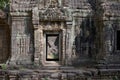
<point>20,14</point>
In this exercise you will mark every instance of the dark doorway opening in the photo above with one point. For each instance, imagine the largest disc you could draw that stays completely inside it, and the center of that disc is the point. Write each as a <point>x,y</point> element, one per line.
<point>118,40</point>
<point>4,43</point>
<point>52,47</point>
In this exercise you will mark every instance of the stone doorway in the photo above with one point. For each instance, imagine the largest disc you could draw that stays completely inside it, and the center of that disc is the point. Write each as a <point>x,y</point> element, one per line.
<point>50,43</point>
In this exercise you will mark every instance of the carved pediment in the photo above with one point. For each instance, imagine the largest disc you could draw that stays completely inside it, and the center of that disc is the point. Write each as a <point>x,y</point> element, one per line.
<point>52,14</point>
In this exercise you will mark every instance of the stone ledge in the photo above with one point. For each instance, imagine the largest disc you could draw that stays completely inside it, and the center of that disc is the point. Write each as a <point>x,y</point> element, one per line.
<point>75,74</point>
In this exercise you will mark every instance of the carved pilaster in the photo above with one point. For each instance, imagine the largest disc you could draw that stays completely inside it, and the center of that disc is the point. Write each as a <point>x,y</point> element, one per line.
<point>21,39</point>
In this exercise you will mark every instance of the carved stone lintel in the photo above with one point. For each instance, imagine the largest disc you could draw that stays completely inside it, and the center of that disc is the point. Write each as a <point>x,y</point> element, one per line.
<point>52,14</point>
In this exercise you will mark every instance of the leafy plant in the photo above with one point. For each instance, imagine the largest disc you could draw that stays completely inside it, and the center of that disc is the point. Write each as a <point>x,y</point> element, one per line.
<point>3,66</point>
<point>4,4</point>
<point>45,78</point>
<point>115,78</point>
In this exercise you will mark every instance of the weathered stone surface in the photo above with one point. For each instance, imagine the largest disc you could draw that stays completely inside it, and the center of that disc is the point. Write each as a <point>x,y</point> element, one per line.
<point>77,74</point>
<point>86,44</point>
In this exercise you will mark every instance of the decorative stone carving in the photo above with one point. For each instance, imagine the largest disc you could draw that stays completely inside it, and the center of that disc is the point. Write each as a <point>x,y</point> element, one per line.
<point>48,3</point>
<point>109,37</point>
<point>53,3</point>
<point>52,14</point>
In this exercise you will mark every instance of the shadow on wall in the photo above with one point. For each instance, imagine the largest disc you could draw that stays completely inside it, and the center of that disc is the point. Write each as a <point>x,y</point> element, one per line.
<point>29,31</point>
<point>85,41</point>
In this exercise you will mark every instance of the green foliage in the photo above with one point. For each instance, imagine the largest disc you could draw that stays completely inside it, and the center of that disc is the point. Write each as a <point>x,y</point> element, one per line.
<point>3,3</point>
<point>115,78</point>
<point>4,67</point>
<point>45,78</point>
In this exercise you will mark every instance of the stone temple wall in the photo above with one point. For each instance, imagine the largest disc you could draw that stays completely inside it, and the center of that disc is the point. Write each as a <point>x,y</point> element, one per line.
<point>87,31</point>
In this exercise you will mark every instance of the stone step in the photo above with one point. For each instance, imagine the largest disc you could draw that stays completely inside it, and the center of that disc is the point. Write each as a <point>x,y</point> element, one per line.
<point>108,66</point>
